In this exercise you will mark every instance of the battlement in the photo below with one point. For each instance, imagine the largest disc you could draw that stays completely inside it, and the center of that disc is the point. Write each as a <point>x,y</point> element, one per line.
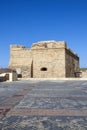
<point>49,44</point>
<point>17,47</point>
<point>72,52</point>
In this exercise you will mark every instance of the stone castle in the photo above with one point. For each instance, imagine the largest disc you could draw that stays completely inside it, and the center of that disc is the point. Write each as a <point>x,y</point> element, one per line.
<point>45,59</point>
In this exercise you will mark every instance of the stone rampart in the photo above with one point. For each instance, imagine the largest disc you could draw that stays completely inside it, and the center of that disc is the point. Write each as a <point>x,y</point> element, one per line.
<point>45,59</point>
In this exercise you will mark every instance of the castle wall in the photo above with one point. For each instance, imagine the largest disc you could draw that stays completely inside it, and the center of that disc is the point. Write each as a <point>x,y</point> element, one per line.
<point>72,63</point>
<point>21,59</point>
<point>84,73</point>
<point>53,60</point>
<point>48,59</point>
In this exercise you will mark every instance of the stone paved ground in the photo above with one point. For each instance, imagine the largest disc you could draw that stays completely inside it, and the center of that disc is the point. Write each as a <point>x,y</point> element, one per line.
<point>43,105</point>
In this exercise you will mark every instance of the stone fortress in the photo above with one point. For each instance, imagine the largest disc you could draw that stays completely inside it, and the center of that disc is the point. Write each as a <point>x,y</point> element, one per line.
<point>45,59</point>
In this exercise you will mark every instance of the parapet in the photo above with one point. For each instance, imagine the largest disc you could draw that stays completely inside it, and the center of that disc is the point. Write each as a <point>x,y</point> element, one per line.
<point>72,52</point>
<point>17,47</point>
<point>49,44</point>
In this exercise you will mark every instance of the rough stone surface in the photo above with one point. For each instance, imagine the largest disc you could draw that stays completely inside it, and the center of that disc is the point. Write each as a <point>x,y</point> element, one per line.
<point>43,105</point>
<point>84,73</point>
<point>46,59</point>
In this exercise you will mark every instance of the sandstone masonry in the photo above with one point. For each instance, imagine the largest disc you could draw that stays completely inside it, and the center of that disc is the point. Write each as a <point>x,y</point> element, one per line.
<point>45,59</point>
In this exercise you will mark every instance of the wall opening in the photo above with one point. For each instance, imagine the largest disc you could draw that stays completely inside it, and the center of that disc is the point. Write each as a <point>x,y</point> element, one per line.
<point>43,69</point>
<point>19,73</point>
<point>7,76</point>
<point>32,69</point>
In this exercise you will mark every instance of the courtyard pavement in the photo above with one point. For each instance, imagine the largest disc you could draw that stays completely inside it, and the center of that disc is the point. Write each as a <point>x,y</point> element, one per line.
<point>43,105</point>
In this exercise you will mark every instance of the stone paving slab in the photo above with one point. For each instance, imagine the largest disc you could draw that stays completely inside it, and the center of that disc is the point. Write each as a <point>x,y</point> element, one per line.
<point>44,123</point>
<point>47,112</point>
<point>43,105</point>
<point>58,96</point>
<point>53,103</point>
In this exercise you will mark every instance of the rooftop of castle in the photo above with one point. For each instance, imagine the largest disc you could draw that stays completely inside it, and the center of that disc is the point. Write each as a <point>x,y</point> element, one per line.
<point>45,44</point>
<point>17,46</point>
<point>49,41</point>
<point>48,44</point>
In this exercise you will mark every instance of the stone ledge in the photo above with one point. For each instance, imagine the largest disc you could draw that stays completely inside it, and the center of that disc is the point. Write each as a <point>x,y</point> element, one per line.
<point>53,79</point>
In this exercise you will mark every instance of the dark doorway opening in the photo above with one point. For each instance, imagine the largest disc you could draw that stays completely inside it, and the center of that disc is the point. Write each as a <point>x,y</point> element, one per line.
<point>19,75</point>
<point>7,76</point>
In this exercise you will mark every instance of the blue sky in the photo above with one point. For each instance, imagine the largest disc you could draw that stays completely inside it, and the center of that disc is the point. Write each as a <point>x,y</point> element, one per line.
<point>24,22</point>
